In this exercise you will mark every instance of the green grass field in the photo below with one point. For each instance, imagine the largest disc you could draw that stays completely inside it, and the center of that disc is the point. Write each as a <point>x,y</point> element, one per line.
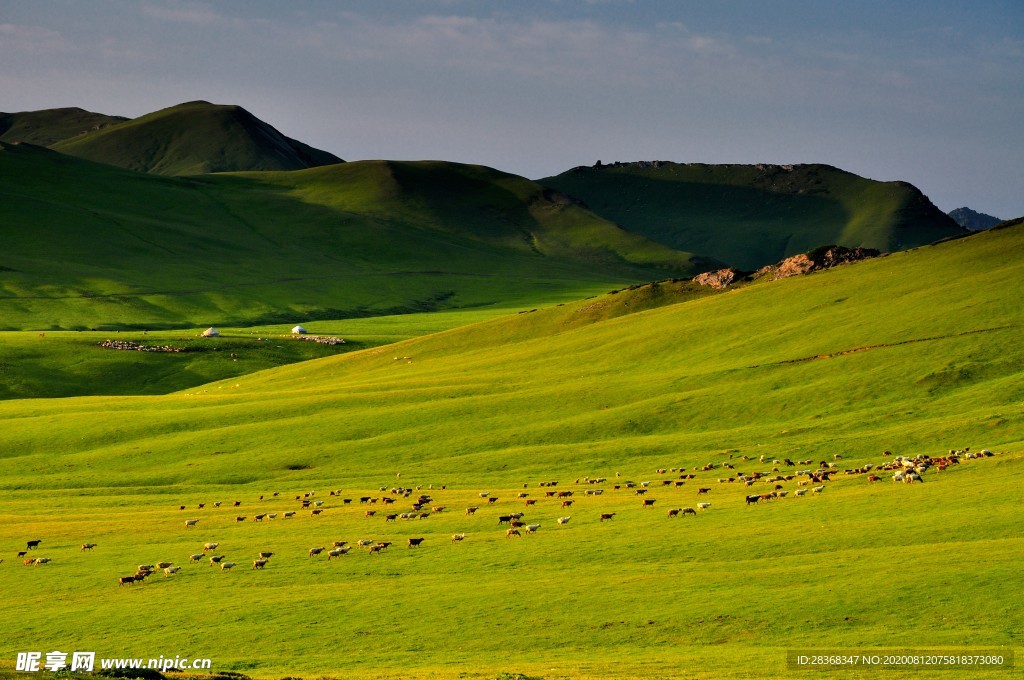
<point>917,352</point>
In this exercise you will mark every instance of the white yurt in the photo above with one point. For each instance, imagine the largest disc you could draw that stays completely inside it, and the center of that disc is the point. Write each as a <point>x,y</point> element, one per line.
<point>211,332</point>
<point>298,330</point>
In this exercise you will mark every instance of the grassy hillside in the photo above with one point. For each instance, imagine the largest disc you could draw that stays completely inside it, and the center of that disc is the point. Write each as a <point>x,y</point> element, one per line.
<point>91,246</point>
<point>887,354</point>
<point>48,126</point>
<point>193,138</point>
<point>753,215</point>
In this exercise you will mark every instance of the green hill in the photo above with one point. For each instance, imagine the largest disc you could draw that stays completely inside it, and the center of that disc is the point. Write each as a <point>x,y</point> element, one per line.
<point>89,245</point>
<point>194,138</point>
<point>891,354</point>
<point>46,127</point>
<point>754,215</point>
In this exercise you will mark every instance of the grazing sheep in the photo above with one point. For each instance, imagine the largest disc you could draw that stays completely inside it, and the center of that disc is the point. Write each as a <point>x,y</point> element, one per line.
<point>532,528</point>
<point>88,546</point>
<point>458,537</point>
<point>171,570</point>
<point>226,566</point>
<point>471,511</point>
<point>315,513</point>
<point>42,560</point>
<point>163,565</point>
<point>145,567</point>
<point>29,560</point>
<point>196,557</point>
<point>703,506</point>
<point>22,553</point>
<point>290,513</point>
<point>512,532</point>
<point>674,512</point>
<point>753,499</point>
<point>239,518</point>
<point>266,555</point>
<point>316,551</point>
<point>215,559</point>
<point>818,489</point>
<point>210,546</point>
<point>340,544</point>
<point>335,552</point>
<point>689,511</point>
<point>564,520</point>
<point>363,542</point>
<point>800,492</point>
<point>259,518</point>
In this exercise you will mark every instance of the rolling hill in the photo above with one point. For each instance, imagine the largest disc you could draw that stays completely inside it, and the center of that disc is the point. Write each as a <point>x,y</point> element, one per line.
<point>49,126</point>
<point>194,138</point>
<point>89,245</point>
<point>889,354</point>
<point>753,215</point>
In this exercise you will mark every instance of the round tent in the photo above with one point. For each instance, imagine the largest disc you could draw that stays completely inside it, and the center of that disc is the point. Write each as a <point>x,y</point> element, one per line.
<point>298,330</point>
<point>211,332</point>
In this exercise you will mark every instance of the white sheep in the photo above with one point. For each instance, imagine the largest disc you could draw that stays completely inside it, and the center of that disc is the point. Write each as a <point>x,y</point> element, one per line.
<point>564,520</point>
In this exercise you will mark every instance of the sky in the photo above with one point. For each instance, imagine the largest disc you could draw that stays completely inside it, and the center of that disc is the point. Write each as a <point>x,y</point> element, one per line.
<point>926,91</point>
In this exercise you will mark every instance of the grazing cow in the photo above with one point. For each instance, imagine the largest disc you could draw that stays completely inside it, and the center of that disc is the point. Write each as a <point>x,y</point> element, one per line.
<point>874,478</point>
<point>88,546</point>
<point>210,546</point>
<point>512,532</point>
<point>606,515</point>
<point>564,520</point>
<point>239,518</point>
<point>22,553</point>
<point>471,511</point>
<point>259,564</point>
<point>181,507</point>
<point>703,490</point>
<point>266,555</point>
<point>504,519</point>
<point>458,537</point>
<point>649,503</point>
<point>415,542</point>
<point>674,512</point>
<point>32,545</point>
<point>315,513</point>
<point>316,551</point>
<point>567,503</point>
<point>125,581</point>
<point>259,517</point>
<point>225,566</point>
<point>171,570</point>
<point>533,501</point>
<point>492,500</point>
<point>29,560</point>
<point>146,567</point>
<point>369,513</point>
<point>236,504</point>
<point>753,499</point>
<point>391,518</point>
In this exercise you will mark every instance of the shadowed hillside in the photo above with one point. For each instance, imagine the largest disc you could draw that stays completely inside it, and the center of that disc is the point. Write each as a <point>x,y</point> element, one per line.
<point>89,245</point>
<point>753,215</point>
<point>48,126</point>
<point>194,138</point>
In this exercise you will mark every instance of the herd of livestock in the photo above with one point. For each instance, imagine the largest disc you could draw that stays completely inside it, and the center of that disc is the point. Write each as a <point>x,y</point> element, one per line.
<point>403,504</point>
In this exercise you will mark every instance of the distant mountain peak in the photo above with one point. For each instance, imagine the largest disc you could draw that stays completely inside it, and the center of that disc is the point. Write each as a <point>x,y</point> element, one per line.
<point>195,137</point>
<point>973,220</point>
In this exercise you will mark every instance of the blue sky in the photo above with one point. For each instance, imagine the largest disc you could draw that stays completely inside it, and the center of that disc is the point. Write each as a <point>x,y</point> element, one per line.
<point>931,92</point>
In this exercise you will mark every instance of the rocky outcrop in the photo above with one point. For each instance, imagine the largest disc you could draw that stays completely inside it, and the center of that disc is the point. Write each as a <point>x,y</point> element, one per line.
<point>824,257</point>
<point>722,278</point>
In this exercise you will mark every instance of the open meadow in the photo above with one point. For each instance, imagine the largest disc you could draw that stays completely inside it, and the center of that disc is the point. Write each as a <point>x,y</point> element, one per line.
<point>655,393</point>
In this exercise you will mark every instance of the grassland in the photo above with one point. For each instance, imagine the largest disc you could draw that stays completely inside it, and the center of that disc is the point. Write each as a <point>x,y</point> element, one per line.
<point>91,246</point>
<point>917,352</point>
<point>754,215</point>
